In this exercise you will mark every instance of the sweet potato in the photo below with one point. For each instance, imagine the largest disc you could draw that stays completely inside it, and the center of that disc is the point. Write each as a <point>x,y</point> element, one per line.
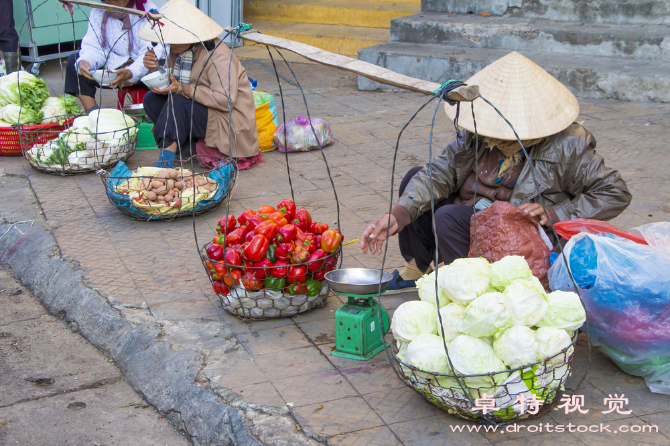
<point>161,191</point>
<point>170,184</point>
<point>149,195</point>
<point>155,184</point>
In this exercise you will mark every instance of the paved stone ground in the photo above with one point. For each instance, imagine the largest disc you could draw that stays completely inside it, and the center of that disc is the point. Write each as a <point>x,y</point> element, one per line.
<point>151,270</point>
<point>51,374</point>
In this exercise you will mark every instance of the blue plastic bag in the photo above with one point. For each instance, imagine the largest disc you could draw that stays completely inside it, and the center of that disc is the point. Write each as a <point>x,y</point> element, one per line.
<point>625,287</point>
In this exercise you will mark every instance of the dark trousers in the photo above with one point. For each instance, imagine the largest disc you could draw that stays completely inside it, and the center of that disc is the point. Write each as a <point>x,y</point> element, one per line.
<point>173,120</point>
<point>417,240</point>
<point>9,39</point>
<point>75,83</point>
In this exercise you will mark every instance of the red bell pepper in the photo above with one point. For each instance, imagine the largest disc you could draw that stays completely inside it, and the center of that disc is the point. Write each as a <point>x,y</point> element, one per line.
<point>330,240</point>
<point>302,219</point>
<point>265,211</point>
<point>209,266</point>
<point>278,218</point>
<point>307,242</point>
<point>284,250</point>
<point>279,268</point>
<point>250,235</point>
<point>219,239</point>
<point>252,222</point>
<point>296,274</point>
<point>252,284</point>
<point>287,233</point>
<point>315,265</point>
<point>233,259</point>
<point>268,229</point>
<point>244,216</point>
<point>226,224</point>
<point>220,288</point>
<point>319,275</point>
<point>287,207</point>
<point>232,278</point>
<point>262,272</point>
<point>214,251</point>
<point>330,263</point>
<point>256,249</point>
<point>318,228</point>
<point>220,269</point>
<point>236,237</point>
<point>300,255</point>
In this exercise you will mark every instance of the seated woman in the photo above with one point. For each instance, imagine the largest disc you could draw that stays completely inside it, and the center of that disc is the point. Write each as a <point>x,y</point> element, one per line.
<point>195,58</point>
<point>573,179</point>
<point>110,43</point>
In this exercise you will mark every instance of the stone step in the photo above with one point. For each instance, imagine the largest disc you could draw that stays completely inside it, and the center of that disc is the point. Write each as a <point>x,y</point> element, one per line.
<point>361,13</point>
<point>347,40</point>
<point>586,76</point>
<point>650,42</point>
<point>598,11</point>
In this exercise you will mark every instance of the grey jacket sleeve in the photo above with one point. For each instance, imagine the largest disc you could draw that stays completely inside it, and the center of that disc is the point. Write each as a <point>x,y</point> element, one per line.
<point>416,198</point>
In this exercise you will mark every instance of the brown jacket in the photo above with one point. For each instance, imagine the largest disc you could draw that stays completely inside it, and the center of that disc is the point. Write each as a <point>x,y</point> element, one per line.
<point>212,92</point>
<point>572,178</point>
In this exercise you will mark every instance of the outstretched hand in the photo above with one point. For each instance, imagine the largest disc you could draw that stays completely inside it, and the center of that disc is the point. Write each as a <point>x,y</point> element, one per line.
<point>374,236</point>
<point>535,210</point>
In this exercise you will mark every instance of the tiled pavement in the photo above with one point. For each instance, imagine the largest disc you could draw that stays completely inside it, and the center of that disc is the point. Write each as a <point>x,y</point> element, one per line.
<point>288,361</point>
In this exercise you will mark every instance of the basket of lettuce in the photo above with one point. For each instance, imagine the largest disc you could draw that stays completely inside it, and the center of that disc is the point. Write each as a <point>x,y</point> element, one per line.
<point>85,144</point>
<point>25,102</point>
<point>510,343</point>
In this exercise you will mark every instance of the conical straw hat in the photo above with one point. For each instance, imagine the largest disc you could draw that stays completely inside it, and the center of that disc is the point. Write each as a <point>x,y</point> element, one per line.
<point>533,101</point>
<point>184,24</point>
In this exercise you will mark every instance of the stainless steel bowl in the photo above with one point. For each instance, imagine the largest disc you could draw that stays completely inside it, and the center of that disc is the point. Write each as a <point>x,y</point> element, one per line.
<point>360,281</point>
<point>135,109</point>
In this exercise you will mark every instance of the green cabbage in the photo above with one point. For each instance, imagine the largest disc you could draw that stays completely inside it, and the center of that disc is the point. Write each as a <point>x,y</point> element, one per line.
<point>17,114</point>
<point>516,346</point>
<point>485,316</point>
<point>412,319</point>
<point>526,301</point>
<point>56,109</point>
<point>472,356</point>
<point>426,287</point>
<point>465,279</point>
<point>108,124</point>
<point>426,353</point>
<point>451,316</point>
<point>22,88</point>
<point>507,270</point>
<point>550,341</point>
<point>565,311</point>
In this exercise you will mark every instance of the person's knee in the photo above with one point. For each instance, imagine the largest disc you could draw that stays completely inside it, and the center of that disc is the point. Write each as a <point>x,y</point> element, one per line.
<point>447,219</point>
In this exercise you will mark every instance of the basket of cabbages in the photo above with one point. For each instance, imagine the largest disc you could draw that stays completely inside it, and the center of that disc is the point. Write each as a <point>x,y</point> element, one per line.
<point>510,343</point>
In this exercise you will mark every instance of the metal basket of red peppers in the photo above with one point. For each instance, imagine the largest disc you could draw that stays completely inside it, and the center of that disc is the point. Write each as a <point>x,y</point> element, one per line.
<point>271,262</point>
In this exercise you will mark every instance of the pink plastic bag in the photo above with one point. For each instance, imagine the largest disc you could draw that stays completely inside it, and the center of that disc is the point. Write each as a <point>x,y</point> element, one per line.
<point>301,137</point>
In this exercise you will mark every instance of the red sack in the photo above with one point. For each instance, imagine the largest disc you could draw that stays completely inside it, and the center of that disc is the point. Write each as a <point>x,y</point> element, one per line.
<point>505,230</point>
<point>568,228</point>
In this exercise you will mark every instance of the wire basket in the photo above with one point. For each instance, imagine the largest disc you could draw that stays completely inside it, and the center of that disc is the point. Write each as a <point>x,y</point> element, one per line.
<point>12,144</point>
<point>127,198</point>
<point>513,391</point>
<point>67,150</point>
<point>245,300</point>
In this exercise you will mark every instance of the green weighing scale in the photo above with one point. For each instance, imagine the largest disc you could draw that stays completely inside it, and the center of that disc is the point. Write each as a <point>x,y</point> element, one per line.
<point>358,333</point>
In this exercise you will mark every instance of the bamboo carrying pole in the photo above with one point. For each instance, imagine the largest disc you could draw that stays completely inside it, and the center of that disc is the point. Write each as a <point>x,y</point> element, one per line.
<point>366,69</point>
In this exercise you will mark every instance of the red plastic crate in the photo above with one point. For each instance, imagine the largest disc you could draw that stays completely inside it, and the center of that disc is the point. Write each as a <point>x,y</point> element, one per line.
<point>14,141</point>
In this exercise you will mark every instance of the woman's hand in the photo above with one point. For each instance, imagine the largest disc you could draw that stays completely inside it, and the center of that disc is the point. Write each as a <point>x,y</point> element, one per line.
<point>85,69</point>
<point>374,236</point>
<point>175,88</point>
<point>150,61</point>
<point>122,75</point>
<point>535,210</point>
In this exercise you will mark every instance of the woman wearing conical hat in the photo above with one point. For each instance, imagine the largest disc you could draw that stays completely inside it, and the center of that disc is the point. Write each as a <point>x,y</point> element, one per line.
<point>574,181</point>
<point>206,89</point>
